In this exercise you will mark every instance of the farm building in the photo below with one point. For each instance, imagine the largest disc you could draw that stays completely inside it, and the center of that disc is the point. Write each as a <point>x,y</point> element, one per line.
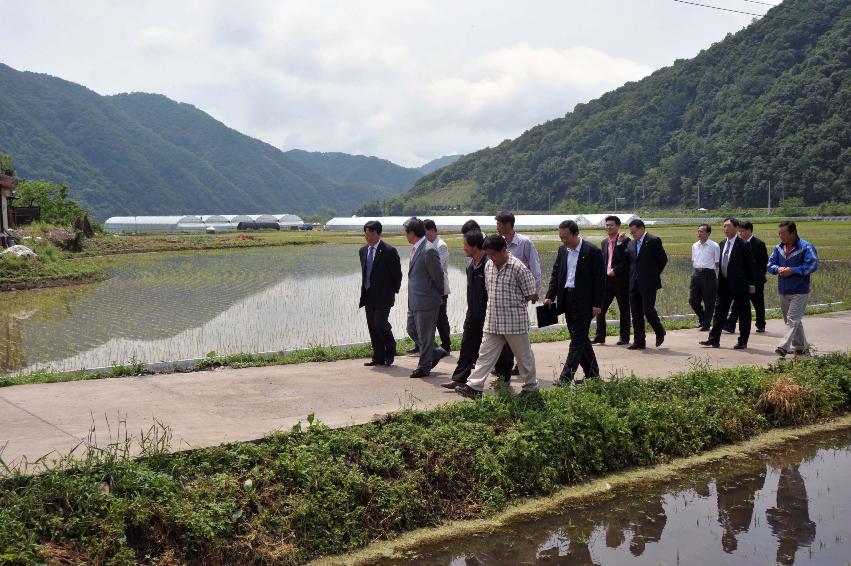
<point>524,222</point>
<point>195,222</point>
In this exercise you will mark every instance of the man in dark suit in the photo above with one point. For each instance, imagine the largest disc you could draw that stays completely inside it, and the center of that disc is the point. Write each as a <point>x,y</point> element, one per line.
<point>760,257</point>
<point>735,282</point>
<point>647,260</point>
<point>477,304</point>
<point>616,264</point>
<point>381,278</point>
<point>577,286</point>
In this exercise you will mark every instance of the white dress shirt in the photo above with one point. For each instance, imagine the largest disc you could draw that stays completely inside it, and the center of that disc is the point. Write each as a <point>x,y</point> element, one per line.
<point>572,259</point>
<point>705,255</point>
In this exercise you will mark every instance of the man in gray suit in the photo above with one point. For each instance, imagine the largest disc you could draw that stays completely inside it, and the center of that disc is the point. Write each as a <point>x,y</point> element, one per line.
<point>425,295</point>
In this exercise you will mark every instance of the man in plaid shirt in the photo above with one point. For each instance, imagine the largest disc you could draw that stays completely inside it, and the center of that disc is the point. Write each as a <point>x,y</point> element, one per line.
<point>510,285</point>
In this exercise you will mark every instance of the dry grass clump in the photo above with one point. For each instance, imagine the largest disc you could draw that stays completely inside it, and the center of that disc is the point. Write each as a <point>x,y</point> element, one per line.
<point>786,402</point>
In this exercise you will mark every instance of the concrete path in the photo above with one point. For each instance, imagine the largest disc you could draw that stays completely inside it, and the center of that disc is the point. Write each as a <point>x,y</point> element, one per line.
<point>226,405</point>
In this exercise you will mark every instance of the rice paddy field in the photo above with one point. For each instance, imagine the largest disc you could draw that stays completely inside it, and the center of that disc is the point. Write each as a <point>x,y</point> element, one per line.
<point>173,306</point>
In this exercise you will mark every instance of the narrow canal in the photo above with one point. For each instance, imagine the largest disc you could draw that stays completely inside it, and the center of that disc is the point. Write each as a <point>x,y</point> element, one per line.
<point>789,505</point>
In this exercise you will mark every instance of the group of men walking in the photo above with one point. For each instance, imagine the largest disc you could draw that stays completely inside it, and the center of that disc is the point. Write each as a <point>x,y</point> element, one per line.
<point>504,275</point>
<point>723,300</point>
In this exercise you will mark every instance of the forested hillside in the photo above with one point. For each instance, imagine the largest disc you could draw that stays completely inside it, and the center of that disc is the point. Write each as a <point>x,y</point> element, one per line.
<point>770,103</point>
<point>136,154</point>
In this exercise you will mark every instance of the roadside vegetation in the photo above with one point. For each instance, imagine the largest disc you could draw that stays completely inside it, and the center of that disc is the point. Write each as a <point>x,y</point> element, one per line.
<point>316,491</point>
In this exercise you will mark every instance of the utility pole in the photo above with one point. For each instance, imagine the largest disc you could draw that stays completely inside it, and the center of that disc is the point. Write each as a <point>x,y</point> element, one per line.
<point>769,196</point>
<point>549,200</point>
<point>698,194</point>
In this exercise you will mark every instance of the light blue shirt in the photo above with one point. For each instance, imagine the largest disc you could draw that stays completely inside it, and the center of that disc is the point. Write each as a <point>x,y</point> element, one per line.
<point>572,259</point>
<point>638,244</point>
<point>523,249</point>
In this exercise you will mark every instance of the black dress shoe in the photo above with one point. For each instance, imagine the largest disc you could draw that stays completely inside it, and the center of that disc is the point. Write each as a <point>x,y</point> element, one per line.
<point>389,362</point>
<point>740,346</point>
<point>419,372</point>
<point>660,338</point>
<point>372,363</point>
<point>761,330</point>
<point>598,340</point>
<point>730,329</point>
<point>704,329</point>
<point>780,352</point>
<point>712,343</point>
<point>413,350</point>
<point>468,391</point>
<point>453,384</point>
<point>622,342</point>
<point>636,347</point>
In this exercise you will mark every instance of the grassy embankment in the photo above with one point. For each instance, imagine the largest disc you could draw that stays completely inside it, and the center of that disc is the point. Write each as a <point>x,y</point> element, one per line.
<point>50,269</point>
<point>317,491</point>
<point>57,267</point>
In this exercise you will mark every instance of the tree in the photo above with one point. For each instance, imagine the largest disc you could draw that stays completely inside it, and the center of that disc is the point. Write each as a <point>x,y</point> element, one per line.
<point>52,198</point>
<point>6,166</point>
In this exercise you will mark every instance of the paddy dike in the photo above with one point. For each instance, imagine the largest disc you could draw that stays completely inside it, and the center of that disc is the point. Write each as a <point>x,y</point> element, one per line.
<point>228,405</point>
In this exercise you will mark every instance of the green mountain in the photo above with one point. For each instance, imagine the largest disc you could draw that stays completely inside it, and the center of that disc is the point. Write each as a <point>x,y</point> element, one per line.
<point>771,103</point>
<point>372,174</point>
<point>137,154</point>
<point>436,164</point>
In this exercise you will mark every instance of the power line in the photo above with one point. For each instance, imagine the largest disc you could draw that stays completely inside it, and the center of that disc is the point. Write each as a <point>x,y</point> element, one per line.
<point>763,3</point>
<point>719,8</point>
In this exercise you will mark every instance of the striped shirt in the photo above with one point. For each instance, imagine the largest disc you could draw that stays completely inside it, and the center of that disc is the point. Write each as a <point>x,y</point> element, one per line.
<point>508,288</point>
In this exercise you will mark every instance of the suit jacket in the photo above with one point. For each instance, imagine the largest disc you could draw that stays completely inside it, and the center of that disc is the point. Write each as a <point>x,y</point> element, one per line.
<point>620,262</point>
<point>425,279</point>
<point>386,277</point>
<point>740,267</point>
<point>589,280</point>
<point>645,268</point>
<point>760,257</point>
<point>477,293</point>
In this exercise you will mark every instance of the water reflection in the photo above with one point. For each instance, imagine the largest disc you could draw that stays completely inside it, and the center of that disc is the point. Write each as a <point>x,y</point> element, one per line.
<point>161,307</point>
<point>171,307</point>
<point>790,519</point>
<point>787,505</point>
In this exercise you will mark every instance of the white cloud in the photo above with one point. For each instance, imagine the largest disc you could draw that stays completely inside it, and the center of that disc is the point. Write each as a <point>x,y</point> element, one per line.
<point>407,81</point>
<point>159,38</point>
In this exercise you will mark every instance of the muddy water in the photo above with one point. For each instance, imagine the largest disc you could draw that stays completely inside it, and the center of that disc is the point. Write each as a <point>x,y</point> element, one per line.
<point>790,505</point>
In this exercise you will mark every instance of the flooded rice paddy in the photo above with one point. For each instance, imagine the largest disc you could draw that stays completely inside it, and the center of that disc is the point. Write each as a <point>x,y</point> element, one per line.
<point>166,307</point>
<point>789,505</point>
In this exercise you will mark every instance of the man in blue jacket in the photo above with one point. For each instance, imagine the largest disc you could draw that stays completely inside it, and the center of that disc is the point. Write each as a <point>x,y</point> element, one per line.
<point>793,260</point>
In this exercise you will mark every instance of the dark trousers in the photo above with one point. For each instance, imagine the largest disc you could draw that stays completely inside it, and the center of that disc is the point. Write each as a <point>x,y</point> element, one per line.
<point>621,293</point>
<point>701,297</point>
<point>757,299</point>
<point>580,352</point>
<point>471,341</point>
<point>722,307</point>
<point>643,307</point>
<point>443,326</point>
<point>380,334</point>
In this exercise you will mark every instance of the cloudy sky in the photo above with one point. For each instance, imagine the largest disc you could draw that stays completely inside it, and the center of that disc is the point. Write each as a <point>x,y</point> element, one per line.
<point>406,80</point>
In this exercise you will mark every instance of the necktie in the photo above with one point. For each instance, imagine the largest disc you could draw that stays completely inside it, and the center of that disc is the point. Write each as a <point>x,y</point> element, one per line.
<point>611,254</point>
<point>725,259</point>
<point>369,258</point>
<point>638,246</point>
